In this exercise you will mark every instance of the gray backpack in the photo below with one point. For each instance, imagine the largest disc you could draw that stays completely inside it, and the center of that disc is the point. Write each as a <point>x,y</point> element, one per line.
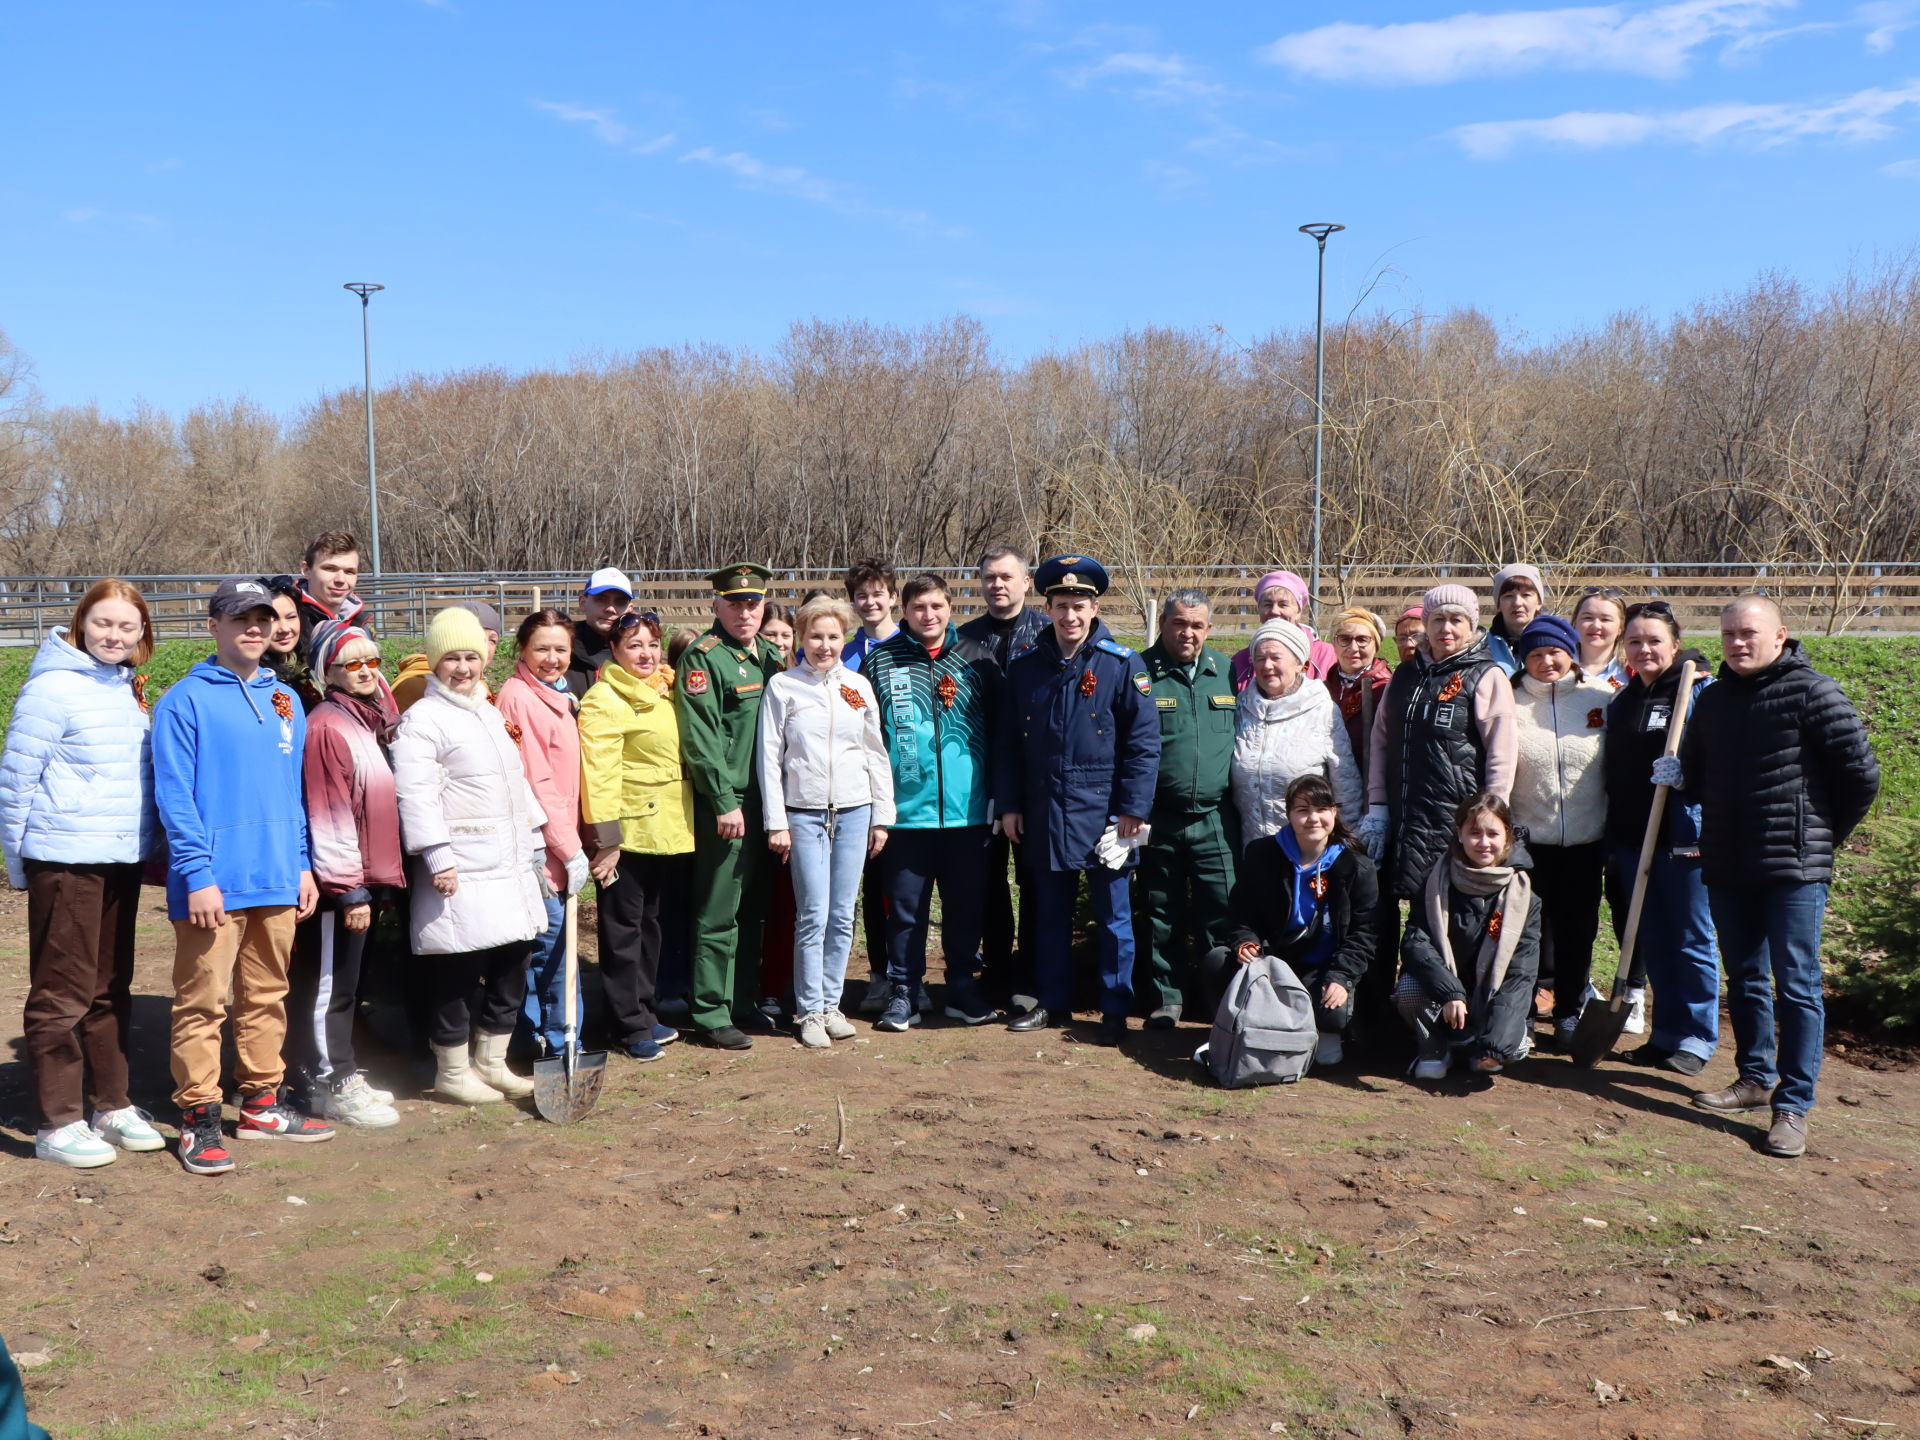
<point>1265,1032</point>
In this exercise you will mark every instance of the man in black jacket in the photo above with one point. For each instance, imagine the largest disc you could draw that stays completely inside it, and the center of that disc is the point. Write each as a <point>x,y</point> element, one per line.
<point>1781,764</point>
<point>1009,627</point>
<point>607,595</point>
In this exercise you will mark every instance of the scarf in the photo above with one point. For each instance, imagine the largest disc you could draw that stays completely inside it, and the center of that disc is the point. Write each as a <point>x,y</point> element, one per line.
<point>1497,946</point>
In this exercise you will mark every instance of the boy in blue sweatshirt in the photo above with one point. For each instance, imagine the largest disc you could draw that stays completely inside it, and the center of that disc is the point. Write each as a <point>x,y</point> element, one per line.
<point>227,746</point>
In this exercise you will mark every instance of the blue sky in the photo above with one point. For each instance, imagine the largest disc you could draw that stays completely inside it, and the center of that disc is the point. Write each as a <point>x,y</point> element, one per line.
<point>540,182</point>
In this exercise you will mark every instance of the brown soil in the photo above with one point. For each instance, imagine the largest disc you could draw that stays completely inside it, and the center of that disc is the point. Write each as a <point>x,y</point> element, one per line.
<point>1013,1236</point>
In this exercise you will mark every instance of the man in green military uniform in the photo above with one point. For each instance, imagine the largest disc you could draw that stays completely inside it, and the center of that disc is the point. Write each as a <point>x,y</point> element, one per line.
<point>1186,870</point>
<point>721,680</point>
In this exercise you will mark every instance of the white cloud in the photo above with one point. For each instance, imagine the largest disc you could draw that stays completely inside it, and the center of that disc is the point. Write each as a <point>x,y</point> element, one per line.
<point>1863,115</point>
<point>606,127</point>
<point>799,184</point>
<point>1168,78</point>
<point>1902,169</point>
<point>1657,42</point>
<point>1885,19</point>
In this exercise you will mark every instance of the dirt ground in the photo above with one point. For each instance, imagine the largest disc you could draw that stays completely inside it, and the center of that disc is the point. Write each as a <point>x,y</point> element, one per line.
<point>1005,1236</point>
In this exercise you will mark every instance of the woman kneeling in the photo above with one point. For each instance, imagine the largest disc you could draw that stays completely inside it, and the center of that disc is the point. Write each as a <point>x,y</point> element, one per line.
<point>1472,948</point>
<point>1306,894</point>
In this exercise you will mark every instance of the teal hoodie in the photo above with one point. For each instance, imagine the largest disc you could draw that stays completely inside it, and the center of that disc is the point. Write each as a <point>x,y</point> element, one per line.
<point>226,778</point>
<point>936,738</point>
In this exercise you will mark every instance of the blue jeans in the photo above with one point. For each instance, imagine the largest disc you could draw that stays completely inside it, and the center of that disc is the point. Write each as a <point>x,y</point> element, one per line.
<point>1054,893</point>
<point>1770,942</point>
<point>543,1017</point>
<point>1675,953</point>
<point>829,851</point>
<point>913,862</point>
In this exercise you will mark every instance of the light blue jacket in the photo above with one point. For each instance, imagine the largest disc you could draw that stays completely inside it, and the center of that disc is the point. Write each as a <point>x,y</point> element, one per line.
<point>76,784</point>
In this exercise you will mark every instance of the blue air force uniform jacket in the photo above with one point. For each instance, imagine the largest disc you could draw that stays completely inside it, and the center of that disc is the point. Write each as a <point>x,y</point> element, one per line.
<point>1078,743</point>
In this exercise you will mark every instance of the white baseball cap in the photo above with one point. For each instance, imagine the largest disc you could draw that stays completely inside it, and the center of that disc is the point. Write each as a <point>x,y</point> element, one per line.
<point>602,581</point>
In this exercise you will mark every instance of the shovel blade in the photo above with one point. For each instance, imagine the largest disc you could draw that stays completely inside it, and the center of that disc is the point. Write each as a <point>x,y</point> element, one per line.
<point>564,1098</point>
<point>1600,1028</point>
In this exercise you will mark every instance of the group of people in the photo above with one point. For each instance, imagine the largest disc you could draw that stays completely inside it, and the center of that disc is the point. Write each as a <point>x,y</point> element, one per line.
<point>741,796</point>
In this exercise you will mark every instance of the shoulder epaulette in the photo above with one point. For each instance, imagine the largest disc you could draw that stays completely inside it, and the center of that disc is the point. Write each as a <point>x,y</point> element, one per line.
<point>1113,647</point>
<point>706,642</point>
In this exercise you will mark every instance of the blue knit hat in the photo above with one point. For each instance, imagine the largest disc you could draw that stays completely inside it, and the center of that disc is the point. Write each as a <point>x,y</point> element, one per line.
<point>1547,630</point>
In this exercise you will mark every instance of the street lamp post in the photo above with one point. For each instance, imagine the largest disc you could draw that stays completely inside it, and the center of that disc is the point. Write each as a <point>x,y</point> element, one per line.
<point>1319,230</point>
<point>364,289</point>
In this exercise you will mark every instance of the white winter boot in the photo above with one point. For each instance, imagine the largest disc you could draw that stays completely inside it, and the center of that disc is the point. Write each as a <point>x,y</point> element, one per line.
<point>490,1063</point>
<point>453,1078</point>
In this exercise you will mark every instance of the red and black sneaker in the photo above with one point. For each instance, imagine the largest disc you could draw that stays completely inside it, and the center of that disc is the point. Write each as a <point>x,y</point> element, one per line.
<point>203,1148</point>
<point>266,1117</point>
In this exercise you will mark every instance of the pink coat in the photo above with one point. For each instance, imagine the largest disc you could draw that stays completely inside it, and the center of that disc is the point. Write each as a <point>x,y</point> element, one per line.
<point>550,754</point>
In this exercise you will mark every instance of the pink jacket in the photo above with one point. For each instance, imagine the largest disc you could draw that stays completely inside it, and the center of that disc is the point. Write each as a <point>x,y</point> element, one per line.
<point>550,754</point>
<point>353,818</point>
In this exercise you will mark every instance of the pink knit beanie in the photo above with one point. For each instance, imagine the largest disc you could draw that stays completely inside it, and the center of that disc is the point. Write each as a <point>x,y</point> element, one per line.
<point>1451,597</point>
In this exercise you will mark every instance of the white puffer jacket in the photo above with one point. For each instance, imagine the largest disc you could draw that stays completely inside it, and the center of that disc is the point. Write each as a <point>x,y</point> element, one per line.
<point>465,802</point>
<point>1276,741</point>
<point>1559,782</point>
<point>76,786</point>
<point>819,746</point>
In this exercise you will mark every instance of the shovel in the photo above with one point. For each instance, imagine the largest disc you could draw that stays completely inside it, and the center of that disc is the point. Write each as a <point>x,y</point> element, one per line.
<point>1601,1026</point>
<point>566,1086</point>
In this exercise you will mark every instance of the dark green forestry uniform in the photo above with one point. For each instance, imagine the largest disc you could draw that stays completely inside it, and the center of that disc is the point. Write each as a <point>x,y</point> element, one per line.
<point>1187,866</point>
<point>720,682</point>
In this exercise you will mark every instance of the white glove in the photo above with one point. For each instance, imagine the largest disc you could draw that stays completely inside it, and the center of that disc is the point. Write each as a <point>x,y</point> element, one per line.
<point>577,873</point>
<point>1112,851</point>
<point>1667,771</point>
<point>1372,833</point>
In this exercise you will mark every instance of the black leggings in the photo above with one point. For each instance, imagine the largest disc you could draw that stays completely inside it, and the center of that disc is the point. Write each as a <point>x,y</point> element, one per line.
<point>501,974</point>
<point>1567,880</point>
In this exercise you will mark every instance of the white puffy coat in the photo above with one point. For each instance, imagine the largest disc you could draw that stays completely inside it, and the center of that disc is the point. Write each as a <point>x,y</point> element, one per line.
<point>1276,741</point>
<point>76,786</point>
<point>819,746</point>
<point>1559,782</point>
<point>465,802</point>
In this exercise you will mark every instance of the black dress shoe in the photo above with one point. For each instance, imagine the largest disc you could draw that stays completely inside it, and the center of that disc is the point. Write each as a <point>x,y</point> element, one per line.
<point>1651,1057</point>
<point>1113,1029</point>
<point>1034,1019</point>
<point>728,1037</point>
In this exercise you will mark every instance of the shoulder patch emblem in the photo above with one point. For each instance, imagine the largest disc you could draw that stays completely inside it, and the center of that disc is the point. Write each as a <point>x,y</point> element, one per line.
<point>706,642</point>
<point>696,682</point>
<point>1113,647</point>
<point>1142,683</point>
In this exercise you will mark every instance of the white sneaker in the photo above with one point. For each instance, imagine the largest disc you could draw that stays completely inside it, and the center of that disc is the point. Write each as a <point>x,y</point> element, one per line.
<point>879,991</point>
<point>355,1104</point>
<point>813,1032</point>
<point>1636,1012</point>
<point>385,1097</point>
<point>74,1145</point>
<point>129,1128</point>
<point>1328,1050</point>
<point>837,1025</point>
<point>1430,1069</point>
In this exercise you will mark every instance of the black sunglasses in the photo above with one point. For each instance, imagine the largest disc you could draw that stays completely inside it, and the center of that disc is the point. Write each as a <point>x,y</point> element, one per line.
<point>633,617</point>
<point>1650,607</point>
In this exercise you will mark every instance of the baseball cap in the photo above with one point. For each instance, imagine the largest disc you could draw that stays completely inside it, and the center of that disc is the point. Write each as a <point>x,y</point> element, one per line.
<point>238,595</point>
<point>607,579</point>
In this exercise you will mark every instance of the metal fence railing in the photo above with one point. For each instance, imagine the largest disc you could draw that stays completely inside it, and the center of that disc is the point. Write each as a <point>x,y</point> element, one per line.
<point>1879,598</point>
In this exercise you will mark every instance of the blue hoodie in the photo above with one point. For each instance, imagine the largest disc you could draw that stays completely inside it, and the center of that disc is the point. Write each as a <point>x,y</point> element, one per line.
<point>226,777</point>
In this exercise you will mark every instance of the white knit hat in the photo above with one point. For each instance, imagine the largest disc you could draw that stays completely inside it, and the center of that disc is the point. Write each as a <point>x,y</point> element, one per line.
<point>1288,633</point>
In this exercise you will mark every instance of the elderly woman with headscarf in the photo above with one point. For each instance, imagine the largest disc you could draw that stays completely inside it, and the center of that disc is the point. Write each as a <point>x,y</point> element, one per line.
<point>1444,733</point>
<point>1286,725</point>
<point>1282,595</point>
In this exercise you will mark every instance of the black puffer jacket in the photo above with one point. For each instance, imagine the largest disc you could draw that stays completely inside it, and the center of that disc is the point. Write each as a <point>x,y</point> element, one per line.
<point>1435,759</point>
<point>1261,907</point>
<point>1780,763</point>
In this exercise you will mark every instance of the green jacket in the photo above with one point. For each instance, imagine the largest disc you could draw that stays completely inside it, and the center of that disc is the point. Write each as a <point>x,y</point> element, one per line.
<point>720,683</point>
<point>1196,731</point>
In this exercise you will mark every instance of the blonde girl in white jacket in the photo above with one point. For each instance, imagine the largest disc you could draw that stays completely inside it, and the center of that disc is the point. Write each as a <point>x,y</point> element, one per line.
<point>469,817</point>
<point>828,790</point>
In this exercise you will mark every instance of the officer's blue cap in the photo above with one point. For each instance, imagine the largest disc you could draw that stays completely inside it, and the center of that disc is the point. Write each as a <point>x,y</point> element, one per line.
<point>1071,575</point>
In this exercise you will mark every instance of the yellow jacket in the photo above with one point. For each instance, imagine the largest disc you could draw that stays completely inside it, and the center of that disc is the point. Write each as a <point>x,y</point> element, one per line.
<point>630,769</point>
<point>410,681</point>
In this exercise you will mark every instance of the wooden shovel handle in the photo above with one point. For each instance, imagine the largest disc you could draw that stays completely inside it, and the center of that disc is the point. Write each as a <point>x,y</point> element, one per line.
<point>1630,936</point>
